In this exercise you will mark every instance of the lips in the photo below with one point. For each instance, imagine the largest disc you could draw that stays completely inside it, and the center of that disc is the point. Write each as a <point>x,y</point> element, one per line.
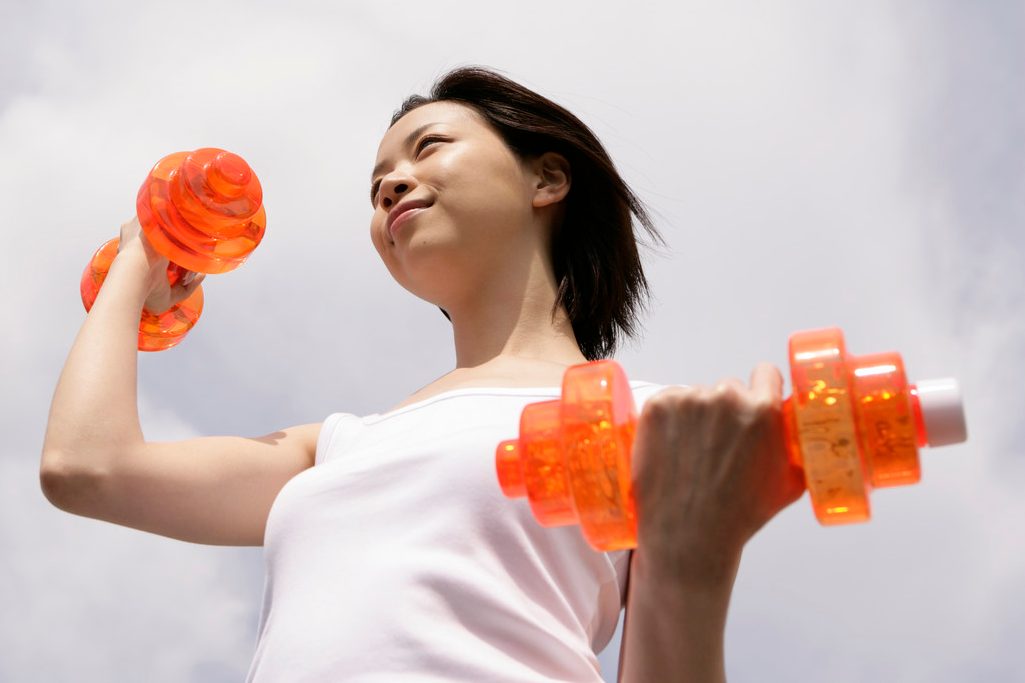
<point>401,208</point>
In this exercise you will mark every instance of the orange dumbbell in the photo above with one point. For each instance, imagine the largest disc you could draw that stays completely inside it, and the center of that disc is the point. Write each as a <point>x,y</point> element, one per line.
<point>853,423</point>
<point>203,210</point>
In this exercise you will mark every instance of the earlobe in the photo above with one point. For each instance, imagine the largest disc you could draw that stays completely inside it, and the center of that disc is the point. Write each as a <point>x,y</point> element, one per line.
<point>553,179</point>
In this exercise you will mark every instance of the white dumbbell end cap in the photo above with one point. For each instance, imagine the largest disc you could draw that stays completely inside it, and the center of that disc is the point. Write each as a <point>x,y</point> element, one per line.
<point>942,411</point>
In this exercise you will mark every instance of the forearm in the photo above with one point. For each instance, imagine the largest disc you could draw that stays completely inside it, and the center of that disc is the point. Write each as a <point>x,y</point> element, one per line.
<point>674,627</point>
<point>94,411</point>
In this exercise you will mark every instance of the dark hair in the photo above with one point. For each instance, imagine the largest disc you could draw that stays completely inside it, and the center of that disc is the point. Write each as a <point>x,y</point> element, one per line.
<point>594,250</point>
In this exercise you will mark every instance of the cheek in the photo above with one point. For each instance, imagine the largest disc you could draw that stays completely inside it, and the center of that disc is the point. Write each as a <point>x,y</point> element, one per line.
<point>376,239</point>
<point>493,190</point>
<point>373,233</point>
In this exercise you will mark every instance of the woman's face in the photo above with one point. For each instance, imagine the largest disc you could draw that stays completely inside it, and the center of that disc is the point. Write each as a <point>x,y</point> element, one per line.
<point>473,195</point>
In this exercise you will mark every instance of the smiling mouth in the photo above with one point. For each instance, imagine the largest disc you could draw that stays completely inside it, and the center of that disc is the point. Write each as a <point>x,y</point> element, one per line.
<point>402,218</point>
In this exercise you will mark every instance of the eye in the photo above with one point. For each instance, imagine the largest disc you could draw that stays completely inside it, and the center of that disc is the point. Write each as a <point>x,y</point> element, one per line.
<point>424,140</point>
<point>419,148</point>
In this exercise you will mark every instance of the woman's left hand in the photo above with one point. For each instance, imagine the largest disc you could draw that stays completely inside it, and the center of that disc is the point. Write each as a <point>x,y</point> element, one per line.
<point>709,469</point>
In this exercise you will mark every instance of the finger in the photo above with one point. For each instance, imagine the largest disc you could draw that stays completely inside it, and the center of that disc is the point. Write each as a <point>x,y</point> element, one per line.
<point>194,284</point>
<point>767,381</point>
<point>729,383</point>
<point>188,282</point>
<point>130,225</point>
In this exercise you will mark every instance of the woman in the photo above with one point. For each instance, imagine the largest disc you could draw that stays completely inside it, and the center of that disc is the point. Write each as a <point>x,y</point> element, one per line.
<point>391,552</point>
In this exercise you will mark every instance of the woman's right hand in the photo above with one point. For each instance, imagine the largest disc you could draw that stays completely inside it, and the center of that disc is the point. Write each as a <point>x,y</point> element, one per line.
<point>134,247</point>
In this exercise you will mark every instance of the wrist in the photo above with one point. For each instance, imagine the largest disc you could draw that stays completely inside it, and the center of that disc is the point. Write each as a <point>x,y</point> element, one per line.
<point>132,255</point>
<point>130,273</point>
<point>675,624</point>
<point>706,568</point>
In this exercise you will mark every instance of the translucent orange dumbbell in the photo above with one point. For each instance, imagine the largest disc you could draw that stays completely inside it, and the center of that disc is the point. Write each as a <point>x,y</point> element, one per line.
<point>203,210</point>
<point>853,423</point>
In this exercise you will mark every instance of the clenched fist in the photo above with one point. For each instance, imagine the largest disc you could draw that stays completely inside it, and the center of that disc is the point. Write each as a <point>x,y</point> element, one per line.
<point>161,295</point>
<point>709,469</point>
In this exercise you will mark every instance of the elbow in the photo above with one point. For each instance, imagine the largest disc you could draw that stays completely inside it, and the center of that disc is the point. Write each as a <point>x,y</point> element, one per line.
<point>62,485</point>
<point>52,482</point>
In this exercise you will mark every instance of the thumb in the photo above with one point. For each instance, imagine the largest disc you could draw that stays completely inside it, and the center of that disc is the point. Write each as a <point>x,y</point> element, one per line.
<point>194,284</point>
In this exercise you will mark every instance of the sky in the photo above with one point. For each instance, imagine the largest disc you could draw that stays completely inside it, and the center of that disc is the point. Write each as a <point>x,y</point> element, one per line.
<point>809,165</point>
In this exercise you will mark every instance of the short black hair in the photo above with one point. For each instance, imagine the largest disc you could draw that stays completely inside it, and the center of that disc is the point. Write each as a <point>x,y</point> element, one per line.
<point>594,250</point>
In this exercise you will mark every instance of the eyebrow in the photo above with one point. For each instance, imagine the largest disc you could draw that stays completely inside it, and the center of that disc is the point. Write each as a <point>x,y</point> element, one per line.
<point>406,143</point>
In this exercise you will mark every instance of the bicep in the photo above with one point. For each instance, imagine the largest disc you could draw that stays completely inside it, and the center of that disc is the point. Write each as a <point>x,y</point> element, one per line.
<point>212,490</point>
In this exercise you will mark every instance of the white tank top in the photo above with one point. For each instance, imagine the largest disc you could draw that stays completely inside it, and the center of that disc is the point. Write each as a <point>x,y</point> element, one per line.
<point>398,558</point>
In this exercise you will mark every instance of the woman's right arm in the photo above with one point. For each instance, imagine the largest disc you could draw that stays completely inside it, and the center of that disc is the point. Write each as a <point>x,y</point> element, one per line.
<point>96,461</point>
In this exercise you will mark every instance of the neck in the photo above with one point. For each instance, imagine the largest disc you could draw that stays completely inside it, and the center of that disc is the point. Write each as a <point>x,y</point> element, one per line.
<point>512,321</point>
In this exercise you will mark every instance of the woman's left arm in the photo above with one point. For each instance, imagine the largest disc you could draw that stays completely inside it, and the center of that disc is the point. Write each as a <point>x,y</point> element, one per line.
<point>709,470</point>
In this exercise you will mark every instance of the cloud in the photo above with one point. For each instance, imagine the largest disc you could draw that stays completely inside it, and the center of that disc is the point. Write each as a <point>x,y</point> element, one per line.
<point>809,166</point>
<point>87,598</point>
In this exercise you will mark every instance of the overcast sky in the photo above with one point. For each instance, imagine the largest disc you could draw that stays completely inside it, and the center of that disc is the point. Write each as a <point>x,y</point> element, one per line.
<point>859,165</point>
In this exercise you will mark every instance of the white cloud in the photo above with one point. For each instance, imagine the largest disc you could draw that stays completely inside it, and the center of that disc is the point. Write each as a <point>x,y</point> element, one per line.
<point>809,166</point>
<point>87,600</point>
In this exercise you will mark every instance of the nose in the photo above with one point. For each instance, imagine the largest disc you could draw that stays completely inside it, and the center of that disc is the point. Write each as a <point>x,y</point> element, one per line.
<point>393,188</point>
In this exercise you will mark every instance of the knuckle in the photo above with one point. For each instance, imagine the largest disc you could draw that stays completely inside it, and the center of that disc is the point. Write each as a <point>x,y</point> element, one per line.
<point>763,408</point>
<point>727,394</point>
<point>667,402</point>
<point>730,386</point>
<point>672,395</point>
<point>657,408</point>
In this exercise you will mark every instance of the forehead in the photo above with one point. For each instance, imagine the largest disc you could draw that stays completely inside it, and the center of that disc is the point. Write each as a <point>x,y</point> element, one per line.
<point>449,113</point>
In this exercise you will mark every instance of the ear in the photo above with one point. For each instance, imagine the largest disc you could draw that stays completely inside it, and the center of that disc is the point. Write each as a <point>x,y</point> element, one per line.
<point>553,179</point>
